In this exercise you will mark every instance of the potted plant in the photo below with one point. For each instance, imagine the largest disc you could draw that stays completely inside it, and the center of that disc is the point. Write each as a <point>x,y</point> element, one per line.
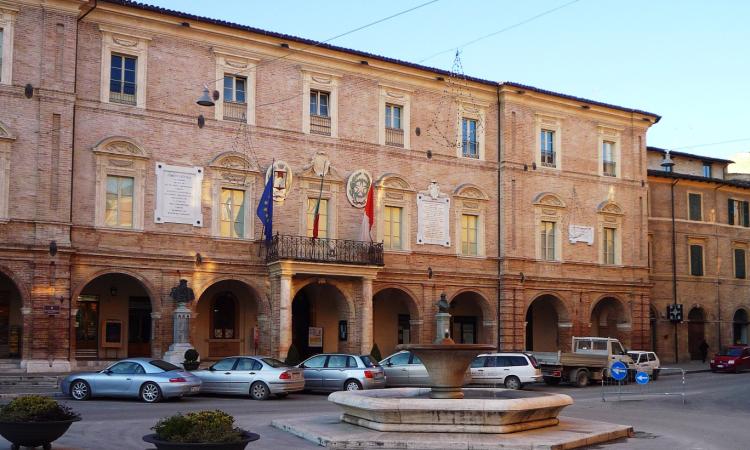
<point>199,430</point>
<point>34,421</point>
<point>191,359</point>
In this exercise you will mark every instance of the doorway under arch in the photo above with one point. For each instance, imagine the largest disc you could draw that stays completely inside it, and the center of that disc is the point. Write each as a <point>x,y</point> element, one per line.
<point>394,311</point>
<point>739,327</point>
<point>320,320</point>
<point>543,319</point>
<point>11,319</point>
<point>227,320</point>
<point>696,332</point>
<point>467,319</point>
<point>609,318</point>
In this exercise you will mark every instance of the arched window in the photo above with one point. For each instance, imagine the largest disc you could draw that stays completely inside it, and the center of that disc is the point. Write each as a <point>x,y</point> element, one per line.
<point>223,317</point>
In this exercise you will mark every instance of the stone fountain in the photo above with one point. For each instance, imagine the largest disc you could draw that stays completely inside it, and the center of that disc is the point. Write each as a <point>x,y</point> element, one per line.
<point>447,415</point>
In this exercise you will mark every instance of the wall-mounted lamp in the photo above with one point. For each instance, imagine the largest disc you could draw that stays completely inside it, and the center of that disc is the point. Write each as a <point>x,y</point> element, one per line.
<point>429,272</point>
<point>113,291</point>
<point>198,258</point>
<point>205,99</point>
<point>523,277</point>
<point>52,248</point>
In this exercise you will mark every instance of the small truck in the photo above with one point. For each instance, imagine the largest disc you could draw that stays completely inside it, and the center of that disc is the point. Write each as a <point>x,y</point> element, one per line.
<point>590,359</point>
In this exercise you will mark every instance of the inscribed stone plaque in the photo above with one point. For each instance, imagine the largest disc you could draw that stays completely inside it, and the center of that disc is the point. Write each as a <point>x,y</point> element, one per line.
<point>178,194</point>
<point>433,220</point>
<point>581,233</point>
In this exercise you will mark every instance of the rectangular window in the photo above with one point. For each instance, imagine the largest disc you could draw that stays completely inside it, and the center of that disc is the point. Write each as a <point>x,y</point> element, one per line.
<point>738,212</point>
<point>739,263</point>
<point>232,220</point>
<point>696,260</point>
<point>119,203</point>
<point>547,148</point>
<point>469,234</point>
<point>608,243</point>
<point>548,240</point>
<point>122,82</point>
<point>320,118</point>
<point>707,170</point>
<point>469,145</point>
<point>322,220</point>
<point>609,166</point>
<point>392,224</point>
<point>394,132</point>
<point>695,208</point>
<point>235,98</point>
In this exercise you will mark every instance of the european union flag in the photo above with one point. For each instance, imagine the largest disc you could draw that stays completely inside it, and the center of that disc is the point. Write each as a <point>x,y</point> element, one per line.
<point>265,209</point>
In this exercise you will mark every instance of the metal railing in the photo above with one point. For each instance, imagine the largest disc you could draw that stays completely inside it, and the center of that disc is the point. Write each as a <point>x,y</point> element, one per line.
<point>394,136</point>
<point>548,159</point>
<point>320,125</point>
<point>631,389</point>
<point>610,169</point>
<point>339,251</point>
<point>119,97</point>
<point>235,111</point>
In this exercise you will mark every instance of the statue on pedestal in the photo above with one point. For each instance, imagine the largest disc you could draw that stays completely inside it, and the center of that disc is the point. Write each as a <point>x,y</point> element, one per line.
<point>182,295</point>
<point>443,321</point>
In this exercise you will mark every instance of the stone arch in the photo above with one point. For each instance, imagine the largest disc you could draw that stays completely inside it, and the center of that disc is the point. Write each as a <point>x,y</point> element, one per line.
<point>23,290</point>
<point>121,145</point>
<point>147,285</point>
<point>609,207</point>
<point>549,199</point>
<point>232,160</point>
<point>263,300</point>
<point>548,323</point>
<point>740,327</point>
<point>472,317</point>
<point>14,333</point>
<point>610,317</point>
<point>394,181</point>
<point>324,306</point>
<point>397,318</point>
<point>696,324</point>
<point>484,303</point>
<point>472,191</point>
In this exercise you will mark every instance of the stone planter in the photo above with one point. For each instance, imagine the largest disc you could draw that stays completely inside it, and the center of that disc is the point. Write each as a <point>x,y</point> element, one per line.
<point>247,438</point>
<point>34,434</point>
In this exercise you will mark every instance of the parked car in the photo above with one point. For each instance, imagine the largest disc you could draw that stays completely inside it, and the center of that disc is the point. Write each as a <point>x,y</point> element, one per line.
<point>645,362</point>
<point>406,369</point>
<point>256,376</point>
<point>336,372</point>
<point>514,370</point>
<point>149,379</point>
<point>734,358</point>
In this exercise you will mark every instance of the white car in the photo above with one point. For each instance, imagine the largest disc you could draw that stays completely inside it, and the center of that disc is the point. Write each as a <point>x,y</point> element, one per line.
<point>645,362</point>
<point>513,370</point>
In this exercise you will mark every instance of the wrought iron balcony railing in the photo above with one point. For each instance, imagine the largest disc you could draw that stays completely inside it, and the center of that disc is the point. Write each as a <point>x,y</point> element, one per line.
<point>235,111</point>
<point>338,251</point>
<point>119,97</point>
<point>320,125</point>
<point>394,136</point>
<point>609,169</point>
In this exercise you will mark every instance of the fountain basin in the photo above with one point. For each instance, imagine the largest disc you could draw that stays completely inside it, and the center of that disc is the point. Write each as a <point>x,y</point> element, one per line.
<point>483,410</point>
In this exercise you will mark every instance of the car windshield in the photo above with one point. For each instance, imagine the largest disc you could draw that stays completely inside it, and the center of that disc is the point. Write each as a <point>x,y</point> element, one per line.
<point>275,363</point>
<point>163,365</point>
<point>368,362</point>
<point>732,352</point>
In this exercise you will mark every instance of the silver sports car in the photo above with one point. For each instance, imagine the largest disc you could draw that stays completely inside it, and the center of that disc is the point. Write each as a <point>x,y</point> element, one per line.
<point>148,379</point>
<point>257,376</point>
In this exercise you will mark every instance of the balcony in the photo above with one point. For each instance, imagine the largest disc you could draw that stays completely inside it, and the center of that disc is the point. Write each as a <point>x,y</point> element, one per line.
<point>334,251</point>
<point>320,125</point>
<point>394,136</point>
<point>548,159</point>
<point>119,97</point>
<point>235,111</point>
<point>609,169</point>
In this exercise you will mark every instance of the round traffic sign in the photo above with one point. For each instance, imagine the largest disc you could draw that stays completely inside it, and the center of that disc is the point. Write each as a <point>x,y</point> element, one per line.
<point>642,378</point>
<point>618,370</point>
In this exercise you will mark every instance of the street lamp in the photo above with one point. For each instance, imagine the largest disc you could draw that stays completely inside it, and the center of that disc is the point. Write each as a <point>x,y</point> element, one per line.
<point>668,165</point>
<point>205,99</point>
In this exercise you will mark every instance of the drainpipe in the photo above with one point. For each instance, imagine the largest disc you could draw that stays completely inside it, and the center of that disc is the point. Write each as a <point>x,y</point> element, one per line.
<point>674,271</point>
<point>499,227</point>
<point>718,281</point>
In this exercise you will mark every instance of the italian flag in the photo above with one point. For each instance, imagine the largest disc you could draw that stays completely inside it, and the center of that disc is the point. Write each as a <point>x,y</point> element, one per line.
<point>368,218</point>
<point>316,217</point>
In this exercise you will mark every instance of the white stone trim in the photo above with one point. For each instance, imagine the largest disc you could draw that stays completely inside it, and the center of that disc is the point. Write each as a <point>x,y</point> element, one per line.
<point>230,62</point>
<point>8,24</point>
<point>606,133</point>
<point>471,200</point>
<point>116,40</point>
<point>314,79</point>
<point>476,112</point>
<point>609,215</point>
<point>551,123</point>
<point>548,208</point>
<point>6,142</point>
<point>395,96</point>
<point>232,171</point>
<point>311,189</point>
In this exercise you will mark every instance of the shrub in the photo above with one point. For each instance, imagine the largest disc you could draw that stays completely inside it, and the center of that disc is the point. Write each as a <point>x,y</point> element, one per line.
<point>198,427</point>
<point>35,408</point>
<point>375,353</point>
<point>292,356</point>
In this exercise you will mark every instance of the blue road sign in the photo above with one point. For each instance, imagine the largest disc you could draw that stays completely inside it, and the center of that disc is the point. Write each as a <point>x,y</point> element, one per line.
<point>619,370</point>
<point>641,378</point>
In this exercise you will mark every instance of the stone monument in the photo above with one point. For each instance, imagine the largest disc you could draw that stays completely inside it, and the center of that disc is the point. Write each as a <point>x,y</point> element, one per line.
<point>182,295</point>
<point>442,320</point>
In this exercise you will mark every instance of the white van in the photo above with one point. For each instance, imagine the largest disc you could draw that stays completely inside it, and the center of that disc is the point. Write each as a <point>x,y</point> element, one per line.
<point>513,370</point>
<point>646,362</point>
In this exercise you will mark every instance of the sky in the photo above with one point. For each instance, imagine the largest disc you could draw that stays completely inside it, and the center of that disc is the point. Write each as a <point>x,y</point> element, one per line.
<point>686,60</point>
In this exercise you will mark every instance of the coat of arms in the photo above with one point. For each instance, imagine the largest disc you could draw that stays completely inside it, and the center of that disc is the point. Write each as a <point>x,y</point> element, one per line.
<point>357,187</point>
<point>282,179</point>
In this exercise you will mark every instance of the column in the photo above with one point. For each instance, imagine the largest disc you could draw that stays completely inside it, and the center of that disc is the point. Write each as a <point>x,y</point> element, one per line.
<point>155,335</point>
<point>365,315</point>
<point>285,314</point>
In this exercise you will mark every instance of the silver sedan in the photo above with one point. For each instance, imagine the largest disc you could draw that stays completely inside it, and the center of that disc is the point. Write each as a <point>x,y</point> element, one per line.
<point>148,379</point>
<point>406,369</point>
<point>257,376</point>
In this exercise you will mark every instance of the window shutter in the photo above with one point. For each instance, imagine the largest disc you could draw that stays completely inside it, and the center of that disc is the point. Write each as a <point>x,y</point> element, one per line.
<point>730,211</point>
<point>739,263</point>
<point>745,215</point>
<point>696,260</point>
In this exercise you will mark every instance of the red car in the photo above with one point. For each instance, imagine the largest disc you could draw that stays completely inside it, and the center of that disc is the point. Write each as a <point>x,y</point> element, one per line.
<point>733,359</point>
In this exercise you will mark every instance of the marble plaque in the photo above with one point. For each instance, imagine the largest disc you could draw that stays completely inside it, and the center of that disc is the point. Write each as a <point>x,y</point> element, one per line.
<point>433,220</point>
<point>178,194</point>
<point>581,233</point>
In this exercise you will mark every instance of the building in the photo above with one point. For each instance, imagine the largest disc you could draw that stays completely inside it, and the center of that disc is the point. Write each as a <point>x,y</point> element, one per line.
<point>533,211</point>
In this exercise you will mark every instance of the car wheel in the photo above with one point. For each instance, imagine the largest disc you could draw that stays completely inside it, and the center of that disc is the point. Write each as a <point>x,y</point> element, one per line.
<point>352,385</point>
<point>150,392</point>
<point>80,390</point>
<point>259,391</point>
<point>512,382</point>
<point>582,378</point>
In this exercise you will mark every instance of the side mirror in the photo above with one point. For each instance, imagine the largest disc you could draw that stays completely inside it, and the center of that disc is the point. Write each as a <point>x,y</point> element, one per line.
<point>211,368</point>
<point>107,371</point>
<point>302,366</point>
<point>389,364</point>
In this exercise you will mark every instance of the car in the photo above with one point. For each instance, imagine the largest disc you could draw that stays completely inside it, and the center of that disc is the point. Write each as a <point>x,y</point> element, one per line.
<point>513,370</point>
<point>734,358</point>
<point>256,376</point>
<point>406,369</point>
<point>337,371</point>
<point>644,361</point>
<point>149,379</point>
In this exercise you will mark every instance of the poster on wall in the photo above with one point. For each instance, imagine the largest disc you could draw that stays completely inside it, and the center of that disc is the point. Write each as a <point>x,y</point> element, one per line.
<point>178,194</point>
<point>315,337</point>
<point>112,333</point>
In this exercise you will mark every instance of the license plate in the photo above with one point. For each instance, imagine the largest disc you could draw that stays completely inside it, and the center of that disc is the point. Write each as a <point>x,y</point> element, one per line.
<point>378,375</point>
<point>195,389</point>
<point>720,366</point>
<point>296,376</point>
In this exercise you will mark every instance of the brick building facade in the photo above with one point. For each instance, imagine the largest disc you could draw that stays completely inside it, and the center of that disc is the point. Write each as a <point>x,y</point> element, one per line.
<point>545,229</point>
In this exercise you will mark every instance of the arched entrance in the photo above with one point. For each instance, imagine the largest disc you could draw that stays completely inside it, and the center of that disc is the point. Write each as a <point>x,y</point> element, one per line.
<point>320,320</point>
<point>739,328</point>
<point>609,318</point>
<point>467,319</point>
<point>696,331</point>
<point>113,319</point>
<point>393,313</point>
<point>11,320</point>
<point>227,321</point>
<point>544,318</point>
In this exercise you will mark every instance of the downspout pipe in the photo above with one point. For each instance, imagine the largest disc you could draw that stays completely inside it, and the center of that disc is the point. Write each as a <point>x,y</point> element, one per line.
<point>674,271</point>
<point>499,215</point>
